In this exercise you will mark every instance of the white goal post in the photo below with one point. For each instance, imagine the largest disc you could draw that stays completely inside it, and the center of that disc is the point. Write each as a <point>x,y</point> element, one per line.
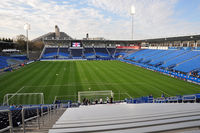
<point>94,94</point>
<point>23,98</point>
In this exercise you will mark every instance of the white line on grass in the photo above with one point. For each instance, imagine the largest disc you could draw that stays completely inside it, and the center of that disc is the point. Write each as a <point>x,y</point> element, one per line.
<point>164,92</point>
<point>78,83</point>
<point>16,93</point>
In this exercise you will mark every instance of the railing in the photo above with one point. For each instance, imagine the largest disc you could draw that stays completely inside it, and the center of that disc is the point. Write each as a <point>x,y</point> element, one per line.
<point>189,98</point>
<point>10,127</point>
<point>195,98</point>
<point>40,110</point>
<point>31,118</point>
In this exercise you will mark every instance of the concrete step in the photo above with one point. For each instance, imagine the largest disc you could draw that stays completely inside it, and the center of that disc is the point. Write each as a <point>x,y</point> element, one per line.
<point>46,122</point>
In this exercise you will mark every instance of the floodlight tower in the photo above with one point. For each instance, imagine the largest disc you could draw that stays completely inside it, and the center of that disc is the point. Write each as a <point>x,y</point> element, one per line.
<point>27,27</point>
<point>132,14</point>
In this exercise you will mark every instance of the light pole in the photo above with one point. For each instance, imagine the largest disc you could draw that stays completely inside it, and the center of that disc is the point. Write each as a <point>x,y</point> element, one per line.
<point>132,14</point>
<point>27,27</point>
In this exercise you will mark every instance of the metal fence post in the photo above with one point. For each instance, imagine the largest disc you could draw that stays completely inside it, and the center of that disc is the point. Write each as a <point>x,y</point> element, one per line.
<point>23,122</point>
<point>38,116</point>
<point>42,115</point>
<point>49,109</point>
<point>10,121</point>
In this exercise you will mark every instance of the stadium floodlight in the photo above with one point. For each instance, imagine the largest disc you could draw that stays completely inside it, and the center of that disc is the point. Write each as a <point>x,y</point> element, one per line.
<point>132,14</point>
<point>27,27</point>
<point>132,10</point>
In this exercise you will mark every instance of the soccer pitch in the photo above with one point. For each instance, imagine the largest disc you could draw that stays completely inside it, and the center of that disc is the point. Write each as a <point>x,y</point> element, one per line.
<point>58,78</point>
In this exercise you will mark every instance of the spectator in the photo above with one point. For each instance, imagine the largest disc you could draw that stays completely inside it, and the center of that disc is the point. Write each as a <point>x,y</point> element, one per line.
<point>20,106</point>
<point>101,101</point>
<point>84,100</point>
<point>12,107</point>
<point>111,99</point>
<point>107,99</point>
<point>96,101</point>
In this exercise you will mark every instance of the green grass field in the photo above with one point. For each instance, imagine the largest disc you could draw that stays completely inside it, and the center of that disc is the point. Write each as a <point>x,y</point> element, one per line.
<point>68,77</point>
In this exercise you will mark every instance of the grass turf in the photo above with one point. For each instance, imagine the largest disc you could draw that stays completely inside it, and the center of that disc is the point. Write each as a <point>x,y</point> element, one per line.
<point>68,77</point>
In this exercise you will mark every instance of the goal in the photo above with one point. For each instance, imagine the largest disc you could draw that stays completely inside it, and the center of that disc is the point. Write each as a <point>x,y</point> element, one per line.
<point>23,98</point>
<point>94,95</point>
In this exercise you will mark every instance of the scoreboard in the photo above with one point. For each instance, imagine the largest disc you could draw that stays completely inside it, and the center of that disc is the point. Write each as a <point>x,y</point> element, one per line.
<point>76,44</point>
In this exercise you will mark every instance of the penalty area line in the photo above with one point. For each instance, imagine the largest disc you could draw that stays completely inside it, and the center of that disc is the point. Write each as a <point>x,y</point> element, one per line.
<point>16,93</point>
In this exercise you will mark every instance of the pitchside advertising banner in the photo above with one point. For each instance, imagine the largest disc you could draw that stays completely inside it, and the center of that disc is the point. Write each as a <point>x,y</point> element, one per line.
<point>129,47</point>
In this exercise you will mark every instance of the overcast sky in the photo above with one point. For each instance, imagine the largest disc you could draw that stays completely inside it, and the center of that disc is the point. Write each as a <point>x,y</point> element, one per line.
<point>110,19</point>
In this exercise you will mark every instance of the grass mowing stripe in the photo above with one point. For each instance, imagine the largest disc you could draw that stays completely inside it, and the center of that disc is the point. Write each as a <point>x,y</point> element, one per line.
<point>112,77</point>
<point>123,73</point>
<point>51,91</point>
<point>13,87</point>
<point>14,76</point>
<point>74,76</point>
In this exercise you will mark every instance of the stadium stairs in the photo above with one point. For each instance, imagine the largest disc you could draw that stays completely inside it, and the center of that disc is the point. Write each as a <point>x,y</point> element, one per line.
<point>34,119</point>
<point>130,118</point>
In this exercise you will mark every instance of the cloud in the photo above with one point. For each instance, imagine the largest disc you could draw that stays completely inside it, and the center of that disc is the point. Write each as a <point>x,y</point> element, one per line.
<point>100,18</point>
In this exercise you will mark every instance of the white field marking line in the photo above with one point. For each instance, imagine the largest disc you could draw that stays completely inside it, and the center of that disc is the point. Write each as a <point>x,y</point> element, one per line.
<point>159,90</point>
<point>164,92</point>
<point>74,84</point>
<point>16,93</point>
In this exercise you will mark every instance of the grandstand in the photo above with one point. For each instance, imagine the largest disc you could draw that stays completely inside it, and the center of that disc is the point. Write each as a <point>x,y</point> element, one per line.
<point>153,84</point>
<point>130,118</point>
<point>179,60</point>
<point>7,62</point>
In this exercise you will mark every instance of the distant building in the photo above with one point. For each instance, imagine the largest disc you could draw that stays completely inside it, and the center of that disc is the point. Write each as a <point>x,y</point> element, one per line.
<point>57,35</point>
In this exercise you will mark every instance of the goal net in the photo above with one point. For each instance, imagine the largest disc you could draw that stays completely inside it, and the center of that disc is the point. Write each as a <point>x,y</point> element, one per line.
<point>94,95</point>
<point>23,98</point>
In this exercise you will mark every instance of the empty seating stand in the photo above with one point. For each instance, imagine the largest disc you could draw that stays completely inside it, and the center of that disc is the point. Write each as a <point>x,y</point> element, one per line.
<point>76,53</point>
<point>111,51</point>
<point>134,118</point>
<point>89,52</point>
<point>63,53</point>
<point>50,53</point>
<point>121,52</point>
<point>101,52</point>
<point>170,55</point>
<point>184,61</point>
<point>6,61</point>
<point>189,65</point>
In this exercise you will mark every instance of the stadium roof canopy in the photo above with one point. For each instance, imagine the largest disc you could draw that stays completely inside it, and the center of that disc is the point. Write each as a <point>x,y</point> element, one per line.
<point>59,37</point>
<point>167,39</point>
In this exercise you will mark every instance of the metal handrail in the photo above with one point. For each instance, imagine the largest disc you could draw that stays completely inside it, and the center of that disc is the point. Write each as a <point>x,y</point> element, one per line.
<point>10,127</point>
<point>25,120</point>
<point>49,110</point>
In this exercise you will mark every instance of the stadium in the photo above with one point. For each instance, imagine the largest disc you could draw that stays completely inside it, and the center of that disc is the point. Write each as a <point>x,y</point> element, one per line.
<point>100,85</point>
